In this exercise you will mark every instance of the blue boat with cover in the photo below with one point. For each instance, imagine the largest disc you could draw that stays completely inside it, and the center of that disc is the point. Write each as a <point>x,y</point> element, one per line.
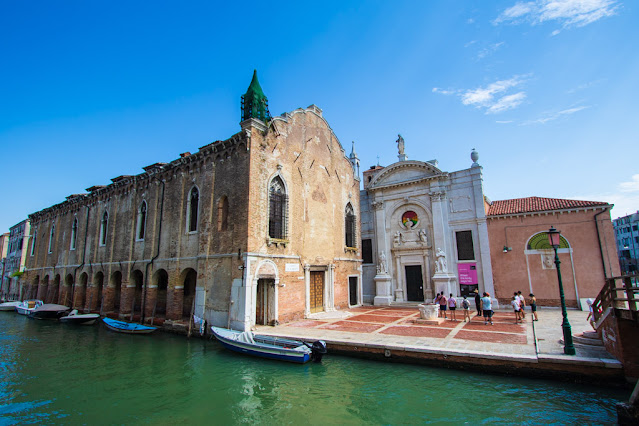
<point>128,327</point>
<point>272,347</point>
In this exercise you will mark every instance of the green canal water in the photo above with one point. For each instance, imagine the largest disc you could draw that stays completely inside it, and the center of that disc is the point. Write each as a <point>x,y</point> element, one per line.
<point>52,373</point>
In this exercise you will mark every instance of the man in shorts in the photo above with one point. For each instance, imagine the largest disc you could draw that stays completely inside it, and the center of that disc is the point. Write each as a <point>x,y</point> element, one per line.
<point>486,307</point>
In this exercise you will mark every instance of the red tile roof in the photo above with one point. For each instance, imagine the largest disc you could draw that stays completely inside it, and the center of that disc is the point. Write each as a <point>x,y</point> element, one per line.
<point>537,204</point>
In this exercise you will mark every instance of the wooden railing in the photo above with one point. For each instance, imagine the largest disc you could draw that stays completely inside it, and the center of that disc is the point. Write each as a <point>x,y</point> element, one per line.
<point>618,293</point>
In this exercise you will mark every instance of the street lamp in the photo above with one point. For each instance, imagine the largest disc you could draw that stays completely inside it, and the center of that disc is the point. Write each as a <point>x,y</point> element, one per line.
<point>554,239</point>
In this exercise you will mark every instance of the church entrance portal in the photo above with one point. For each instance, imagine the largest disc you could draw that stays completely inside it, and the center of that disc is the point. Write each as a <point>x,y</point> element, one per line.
<point>414,284</point>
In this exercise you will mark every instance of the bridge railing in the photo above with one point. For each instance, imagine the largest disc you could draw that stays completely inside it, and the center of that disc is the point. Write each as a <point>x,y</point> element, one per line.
<point>618,293</point>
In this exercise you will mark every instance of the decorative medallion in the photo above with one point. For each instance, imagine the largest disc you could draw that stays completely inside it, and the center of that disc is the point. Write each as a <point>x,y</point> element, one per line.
<point>409,219</point>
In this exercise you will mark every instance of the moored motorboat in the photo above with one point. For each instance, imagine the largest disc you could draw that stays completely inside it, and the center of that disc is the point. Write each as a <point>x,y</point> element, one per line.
<point>127,327</point>
<point>269,346</point>
<point>75,317</point>
<point>9,306</point>
<point>49,311</point>
<point>28,306</point>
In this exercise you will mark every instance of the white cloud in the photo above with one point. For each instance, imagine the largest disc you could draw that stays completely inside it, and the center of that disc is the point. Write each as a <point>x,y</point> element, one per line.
<point>489,50</point>
<point>503,121</point>
<point>625,197</point>
<point>569,13</point>
<point>585,86</point>
<point>632,186</point>
<point>555,115</point>
<point>492,98</point>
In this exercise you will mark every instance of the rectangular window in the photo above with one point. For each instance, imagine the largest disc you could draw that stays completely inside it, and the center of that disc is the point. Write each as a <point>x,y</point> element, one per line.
<point>367,250</point>
<point>465,249</point>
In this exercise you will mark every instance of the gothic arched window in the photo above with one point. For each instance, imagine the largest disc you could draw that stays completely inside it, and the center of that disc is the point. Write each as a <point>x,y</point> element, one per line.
<point>74,232</point>
<point>223,214</point>
<point>141,226</point>
<point>349,219</point>
<point>192,210</point>
<point>103,228</point>
<point>277,218</point>
<point>51,236</point>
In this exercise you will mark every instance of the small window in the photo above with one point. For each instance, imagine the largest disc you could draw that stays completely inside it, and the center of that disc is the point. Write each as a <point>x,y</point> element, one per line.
<point>223,214</point>
<point>277,209</point>
<point>20,244</point>
<point>465,249</point>
<point>350,226</point>
<point>74,233</point>
<point>51,235</point>
<point>103,228</point>
<point>141,225</point>
<point>192,210</point>
<point>367,250</point>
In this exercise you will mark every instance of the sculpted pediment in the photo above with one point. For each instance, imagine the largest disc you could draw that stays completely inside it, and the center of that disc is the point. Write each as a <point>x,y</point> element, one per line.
<point>404,172</point>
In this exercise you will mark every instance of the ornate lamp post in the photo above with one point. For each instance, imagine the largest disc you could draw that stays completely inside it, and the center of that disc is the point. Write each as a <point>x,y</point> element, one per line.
<point>555,240</point>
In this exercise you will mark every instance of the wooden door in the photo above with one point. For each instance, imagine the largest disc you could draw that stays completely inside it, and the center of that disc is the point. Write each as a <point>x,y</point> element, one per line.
<point>317,291</point>
<point>260,303</point>
<point>414,284</point>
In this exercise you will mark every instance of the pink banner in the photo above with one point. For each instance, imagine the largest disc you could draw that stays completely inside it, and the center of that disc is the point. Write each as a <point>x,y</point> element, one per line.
<point>467,273</point>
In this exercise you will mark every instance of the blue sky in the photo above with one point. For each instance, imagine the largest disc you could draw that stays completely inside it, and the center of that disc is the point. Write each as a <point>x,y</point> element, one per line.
<point>546,91</point>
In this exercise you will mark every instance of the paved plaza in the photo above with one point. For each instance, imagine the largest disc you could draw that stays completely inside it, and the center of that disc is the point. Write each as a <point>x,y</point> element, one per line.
<point>398,327</point>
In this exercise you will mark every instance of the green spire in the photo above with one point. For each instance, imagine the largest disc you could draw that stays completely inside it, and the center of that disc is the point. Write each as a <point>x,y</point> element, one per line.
<point>254,102</point>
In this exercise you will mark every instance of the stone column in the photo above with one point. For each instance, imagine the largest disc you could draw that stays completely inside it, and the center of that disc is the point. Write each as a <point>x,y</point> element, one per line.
<point>307,285</point>
<point>383,285</point>
<point>443,279</point>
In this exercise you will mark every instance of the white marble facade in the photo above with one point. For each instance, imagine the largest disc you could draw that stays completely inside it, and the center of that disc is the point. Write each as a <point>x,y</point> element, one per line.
<point>415,214</point>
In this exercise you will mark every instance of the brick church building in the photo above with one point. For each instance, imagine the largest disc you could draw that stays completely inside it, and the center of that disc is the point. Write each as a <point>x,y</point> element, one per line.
<point>259,228</point>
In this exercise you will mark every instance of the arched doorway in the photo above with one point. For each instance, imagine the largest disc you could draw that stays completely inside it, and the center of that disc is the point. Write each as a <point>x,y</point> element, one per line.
<point>137,279</point>
<point>98,282</point>
<point>190,282</point>
<point>83,291</point>
<point>266,293</point>
<point>116,283</point>
<point>54,290</point>
<point>66,295</point>
<point>33,291</point>
<point>161,281</point>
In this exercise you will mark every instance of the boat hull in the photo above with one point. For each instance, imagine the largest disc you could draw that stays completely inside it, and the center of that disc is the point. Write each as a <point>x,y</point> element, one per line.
<point>9,306</point>
<point>263,350</point>
<point>127,327</point>
<point>28,306</point>
<point>84,319</point>
<point>49,311</point>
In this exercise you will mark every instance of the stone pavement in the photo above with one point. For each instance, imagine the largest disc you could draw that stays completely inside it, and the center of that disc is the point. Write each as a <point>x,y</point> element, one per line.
<point>396,328</point>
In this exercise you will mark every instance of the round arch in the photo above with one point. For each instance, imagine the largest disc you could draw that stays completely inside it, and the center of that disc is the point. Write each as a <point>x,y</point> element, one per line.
<point>189,279</point>
<point>161,281</point>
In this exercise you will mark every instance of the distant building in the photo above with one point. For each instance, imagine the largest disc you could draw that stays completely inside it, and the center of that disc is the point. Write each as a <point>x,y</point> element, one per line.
<point>258,228</point>
<point>4,245</point>
<point>15,260</point>
<point>627,236</point>
<point>423,232</point>
<point>523,260</point>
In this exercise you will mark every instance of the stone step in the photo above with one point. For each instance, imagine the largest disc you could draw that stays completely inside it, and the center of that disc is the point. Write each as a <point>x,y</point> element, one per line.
<point>586,341</point>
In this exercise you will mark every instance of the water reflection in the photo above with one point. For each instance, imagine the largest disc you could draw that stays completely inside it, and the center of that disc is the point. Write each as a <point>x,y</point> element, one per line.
<point>52,373</point>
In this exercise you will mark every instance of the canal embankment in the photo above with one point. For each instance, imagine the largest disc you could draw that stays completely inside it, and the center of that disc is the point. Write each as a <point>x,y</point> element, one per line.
<point>529,349</point>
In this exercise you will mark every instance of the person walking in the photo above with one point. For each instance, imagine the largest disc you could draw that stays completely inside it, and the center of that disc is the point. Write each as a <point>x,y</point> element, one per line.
<point>452,306</point>
<point>533,306</point>
<point>442,305</point>
<point>478,302</point>
<point>522,305</point>
<point>486,307</point>
<point>466,308</point>
<point>516,308</point>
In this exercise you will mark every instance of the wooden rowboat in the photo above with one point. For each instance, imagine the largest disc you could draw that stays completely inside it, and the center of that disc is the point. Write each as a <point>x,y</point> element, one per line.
<point>269,346</point>
<point>127,327</point>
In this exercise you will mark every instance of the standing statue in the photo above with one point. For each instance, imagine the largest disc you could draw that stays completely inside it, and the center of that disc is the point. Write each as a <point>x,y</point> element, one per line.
<point>400,144</point>
<point>440,266</point>
<point>381,266</point>
<point>422,236</point>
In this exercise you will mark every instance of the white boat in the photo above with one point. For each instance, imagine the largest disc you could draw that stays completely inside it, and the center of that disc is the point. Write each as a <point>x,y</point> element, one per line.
<point>28,306</point>
<point>9,306</point>
<point>81,319</point>
<point>269,346</point>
